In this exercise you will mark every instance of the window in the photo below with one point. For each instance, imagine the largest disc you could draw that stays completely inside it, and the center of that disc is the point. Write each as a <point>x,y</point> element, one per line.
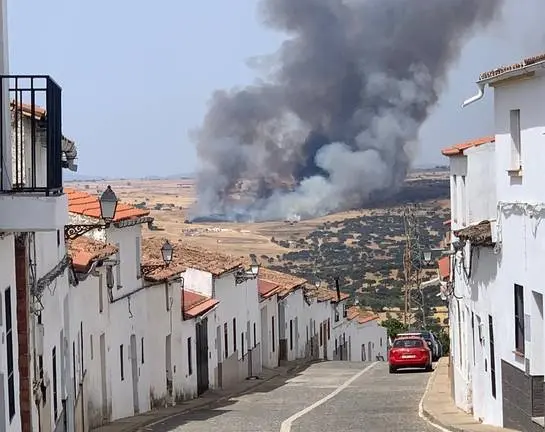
<point>519,319</point>
<point>234,334</point>
<point>54,365</point>
<point>167,297</point>
<point>225,337</point>
<point>138,255</point>
<point>189,357</point>
<point>328,328</point>
<point>142,354</point>
<point>255,336</point>
<point>321,335</point>
<point>408,343</point>
<point>473,335</point>
<point>291,335</point>
<point>118,266</point>
<point>242,344</point>
<point>100,294</point>
<point>337,316</point>
<point>380,341</point>
<point>514,128</point>
<point>91,346</point>
<point>81,349</point>
<point>273,338</point>
<point>454,197</point>
<point>9,352</point>
<point>74,374</point>
<point>463,207</point>
<point>121,365</point>
<point>58,238</point>
<point>492,356</point>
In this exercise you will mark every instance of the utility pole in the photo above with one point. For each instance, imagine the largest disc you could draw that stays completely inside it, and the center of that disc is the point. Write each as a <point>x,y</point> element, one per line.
<point>412,268</point>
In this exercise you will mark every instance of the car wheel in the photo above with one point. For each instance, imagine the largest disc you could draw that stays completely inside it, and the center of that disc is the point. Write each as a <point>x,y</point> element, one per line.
<point>429,368</point>
<point>393,370</point>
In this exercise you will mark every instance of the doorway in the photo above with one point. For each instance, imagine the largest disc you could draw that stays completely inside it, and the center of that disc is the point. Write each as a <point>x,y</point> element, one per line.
<point>201,330</point>
<point>134,372</point>
<point>168,365</point>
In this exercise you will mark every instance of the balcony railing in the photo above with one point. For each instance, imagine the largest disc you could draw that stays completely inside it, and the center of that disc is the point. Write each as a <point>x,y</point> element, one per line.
<point>32,160</point>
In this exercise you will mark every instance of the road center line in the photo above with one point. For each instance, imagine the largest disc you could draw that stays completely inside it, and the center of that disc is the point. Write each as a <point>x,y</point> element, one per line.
<point>286,424</point>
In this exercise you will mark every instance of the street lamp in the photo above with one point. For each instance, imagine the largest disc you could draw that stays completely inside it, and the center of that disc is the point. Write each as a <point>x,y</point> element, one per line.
<point>108,206</point>
<point>167,252</point>
<point>242,275</point>
<point>427,256</point>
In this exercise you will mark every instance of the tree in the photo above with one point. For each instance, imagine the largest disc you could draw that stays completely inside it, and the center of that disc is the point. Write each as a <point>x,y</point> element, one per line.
<point>394,327</point>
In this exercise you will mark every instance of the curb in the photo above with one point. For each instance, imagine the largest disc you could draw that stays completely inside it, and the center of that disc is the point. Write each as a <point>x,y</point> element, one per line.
<point>210,405</point>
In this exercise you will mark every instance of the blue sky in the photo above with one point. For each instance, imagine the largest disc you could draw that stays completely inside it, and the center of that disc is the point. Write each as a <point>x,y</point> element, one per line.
<point>137,75</point>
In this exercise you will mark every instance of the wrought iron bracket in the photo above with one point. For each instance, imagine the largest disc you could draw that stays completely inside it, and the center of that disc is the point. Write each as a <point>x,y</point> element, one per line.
<point>242,276</point>
<point>72,232</point>
<point>150,268</point>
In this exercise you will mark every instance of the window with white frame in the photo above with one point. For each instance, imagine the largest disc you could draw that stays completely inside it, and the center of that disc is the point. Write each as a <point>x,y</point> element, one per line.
<point>138,257</point>
<point>454,197</point>
<point>514,129</point>
<point>118,266</point>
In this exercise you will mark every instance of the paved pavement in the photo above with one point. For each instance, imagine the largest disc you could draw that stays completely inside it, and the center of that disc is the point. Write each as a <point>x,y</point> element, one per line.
<point>439,408</point>
<point>326,396</point>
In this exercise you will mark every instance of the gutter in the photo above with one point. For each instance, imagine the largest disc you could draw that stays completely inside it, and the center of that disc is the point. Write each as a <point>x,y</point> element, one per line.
<point>477,97</point>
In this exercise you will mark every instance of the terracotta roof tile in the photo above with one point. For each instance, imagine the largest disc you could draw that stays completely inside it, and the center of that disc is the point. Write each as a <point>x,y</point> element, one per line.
<point>85,204</point>
<point>195,304</point>
<point>26,109</point>
<point>85,250</point>
<point>444,267</point>
<point>513,67</point>
<point>458,149</point>
<point>361,316</point>
<point>266,289</point>
<point>185,256</point>
<point>323,293</point>
<point>286,282</point>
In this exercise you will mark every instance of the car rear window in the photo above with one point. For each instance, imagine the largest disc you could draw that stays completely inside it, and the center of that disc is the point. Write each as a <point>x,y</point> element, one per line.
<point>408,343</point>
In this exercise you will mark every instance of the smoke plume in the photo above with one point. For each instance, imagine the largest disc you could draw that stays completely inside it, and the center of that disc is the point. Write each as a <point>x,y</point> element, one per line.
<point>334,123</point>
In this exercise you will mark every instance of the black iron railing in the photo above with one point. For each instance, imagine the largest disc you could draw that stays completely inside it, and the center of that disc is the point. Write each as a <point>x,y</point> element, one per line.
<point>31,161</point>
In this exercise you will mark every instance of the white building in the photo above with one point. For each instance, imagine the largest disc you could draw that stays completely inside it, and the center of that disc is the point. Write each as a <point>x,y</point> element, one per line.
<point>496,294</point>
<point>233,331</point>
<point>268,306</point>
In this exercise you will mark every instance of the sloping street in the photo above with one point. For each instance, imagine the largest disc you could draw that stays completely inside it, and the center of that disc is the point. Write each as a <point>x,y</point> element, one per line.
<point>326,396</point>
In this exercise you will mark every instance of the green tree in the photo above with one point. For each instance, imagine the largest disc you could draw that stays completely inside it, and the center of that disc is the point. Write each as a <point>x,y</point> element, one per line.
<point>394,327</point>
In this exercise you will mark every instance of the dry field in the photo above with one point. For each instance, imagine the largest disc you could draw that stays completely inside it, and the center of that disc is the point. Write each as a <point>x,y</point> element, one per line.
<point>169,201</point>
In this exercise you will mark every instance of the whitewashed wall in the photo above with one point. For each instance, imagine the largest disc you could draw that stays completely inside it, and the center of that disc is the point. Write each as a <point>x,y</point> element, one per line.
<point>7,280</point>
<point>269,332</point>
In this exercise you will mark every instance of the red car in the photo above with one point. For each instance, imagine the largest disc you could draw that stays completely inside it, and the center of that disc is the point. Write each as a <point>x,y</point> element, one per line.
<point>409,352</point>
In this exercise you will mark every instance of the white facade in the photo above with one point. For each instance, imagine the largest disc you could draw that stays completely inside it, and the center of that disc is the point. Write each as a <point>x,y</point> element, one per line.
<point>10,419</point>
<point>496,300</point>
<point>269,331</point>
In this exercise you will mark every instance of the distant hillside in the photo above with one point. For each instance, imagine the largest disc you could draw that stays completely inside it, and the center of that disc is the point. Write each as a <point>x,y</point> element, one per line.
<point>72,177</point>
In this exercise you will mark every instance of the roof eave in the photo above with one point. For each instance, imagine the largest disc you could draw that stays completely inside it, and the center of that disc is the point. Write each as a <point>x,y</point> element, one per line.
<point>524,72</point>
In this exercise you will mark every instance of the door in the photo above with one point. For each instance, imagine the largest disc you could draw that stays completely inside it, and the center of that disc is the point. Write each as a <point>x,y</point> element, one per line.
<point>296,331</point>
<point>219,355</point>
<point>103,384</point>
<point>370,349</point>
<point>201,329</point>
<point>265,355</point>
<point>168,365</point>
<point>134,372</point>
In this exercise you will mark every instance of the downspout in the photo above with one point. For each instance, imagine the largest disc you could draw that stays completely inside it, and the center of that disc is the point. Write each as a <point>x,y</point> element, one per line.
<point>477,97</point>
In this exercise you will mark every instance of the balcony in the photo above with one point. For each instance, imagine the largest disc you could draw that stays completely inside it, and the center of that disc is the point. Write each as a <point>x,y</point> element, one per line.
<point>31,154</point>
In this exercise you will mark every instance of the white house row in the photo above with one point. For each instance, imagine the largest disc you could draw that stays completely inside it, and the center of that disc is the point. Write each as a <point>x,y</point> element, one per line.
<point>495,290</point>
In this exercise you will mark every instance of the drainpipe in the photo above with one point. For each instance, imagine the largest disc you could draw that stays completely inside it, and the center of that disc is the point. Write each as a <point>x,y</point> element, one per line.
<point>477,97</point>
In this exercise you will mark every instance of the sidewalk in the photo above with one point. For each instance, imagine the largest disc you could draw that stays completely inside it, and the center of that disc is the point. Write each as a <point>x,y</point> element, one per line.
<point>439,408</point>
<point>207,400</point>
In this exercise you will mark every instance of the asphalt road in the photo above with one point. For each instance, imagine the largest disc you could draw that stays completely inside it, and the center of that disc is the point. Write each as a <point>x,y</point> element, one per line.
<point>329,396</point>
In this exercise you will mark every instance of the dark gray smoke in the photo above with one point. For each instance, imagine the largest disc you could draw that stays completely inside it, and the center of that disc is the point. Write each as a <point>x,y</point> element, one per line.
<point>334,124</point>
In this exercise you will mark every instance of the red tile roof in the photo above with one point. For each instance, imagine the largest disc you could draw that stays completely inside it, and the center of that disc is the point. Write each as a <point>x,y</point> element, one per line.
<point>444,267</point>
<point>85,250</point>
<point>361,316</point>
<point>185,256</point>
<point>513,67</point>
<point>458,149</point>
<point>26,109</point>
<point>85,204</point>
<point>195,304</point>
<point>266,289</point>
<point>286,283</point>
